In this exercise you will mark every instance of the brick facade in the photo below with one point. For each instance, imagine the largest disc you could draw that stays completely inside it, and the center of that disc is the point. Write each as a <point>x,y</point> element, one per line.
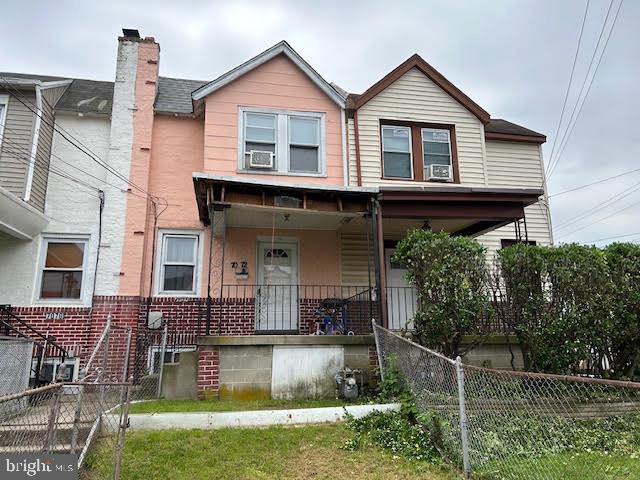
<point>208,379</point>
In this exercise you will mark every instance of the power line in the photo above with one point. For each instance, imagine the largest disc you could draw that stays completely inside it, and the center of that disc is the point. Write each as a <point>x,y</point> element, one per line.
<point>602,205</point>
<point>573,68</point>
<point>601,219</point>
<point>77,144</point>
<point>569,131</point>
<point>613,237</point>
<point>594,183</point>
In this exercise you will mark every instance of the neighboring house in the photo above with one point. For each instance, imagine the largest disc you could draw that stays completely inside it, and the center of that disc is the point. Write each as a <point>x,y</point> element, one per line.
<point>256,198</point>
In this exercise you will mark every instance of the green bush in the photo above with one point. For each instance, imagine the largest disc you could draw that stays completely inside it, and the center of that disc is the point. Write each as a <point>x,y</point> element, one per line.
<point>450,275</point>
<point>573,306</point>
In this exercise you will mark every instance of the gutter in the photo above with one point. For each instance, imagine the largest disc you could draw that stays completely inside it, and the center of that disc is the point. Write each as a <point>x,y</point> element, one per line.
<point>345,160</point>
<point>34,144</point>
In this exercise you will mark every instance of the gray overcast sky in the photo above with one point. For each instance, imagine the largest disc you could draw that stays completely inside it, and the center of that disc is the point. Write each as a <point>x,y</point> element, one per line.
<point>511,57</point>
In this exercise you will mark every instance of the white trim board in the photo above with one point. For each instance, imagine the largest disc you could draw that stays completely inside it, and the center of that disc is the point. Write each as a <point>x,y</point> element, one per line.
<point>279,48</point>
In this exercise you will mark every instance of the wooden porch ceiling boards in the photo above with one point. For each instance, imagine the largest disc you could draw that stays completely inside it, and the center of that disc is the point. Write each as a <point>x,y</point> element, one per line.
<point>225,194</point>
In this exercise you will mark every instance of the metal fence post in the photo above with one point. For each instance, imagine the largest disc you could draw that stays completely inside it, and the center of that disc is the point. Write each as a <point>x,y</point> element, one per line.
<point>53,418</point>
<point>375,337</point>
<point>122,428</point>
<point>162,352</point>
<point>77,417</point>
<point>466,462</point>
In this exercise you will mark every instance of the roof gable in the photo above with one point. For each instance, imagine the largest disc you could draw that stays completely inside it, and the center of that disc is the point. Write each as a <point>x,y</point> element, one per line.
<point>416,61</point>
<point>281,48</point>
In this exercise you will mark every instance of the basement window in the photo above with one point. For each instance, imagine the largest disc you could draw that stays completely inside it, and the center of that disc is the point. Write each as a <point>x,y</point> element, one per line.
<point>62,268</point>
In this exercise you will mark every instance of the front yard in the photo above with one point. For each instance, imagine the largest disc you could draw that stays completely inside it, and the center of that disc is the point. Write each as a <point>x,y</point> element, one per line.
<point>270,453</point>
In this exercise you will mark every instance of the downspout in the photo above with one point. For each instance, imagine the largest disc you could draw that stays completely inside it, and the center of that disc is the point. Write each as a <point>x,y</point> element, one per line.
<point>356,131</point>
<point>345,155</point>
<point>34,145</point>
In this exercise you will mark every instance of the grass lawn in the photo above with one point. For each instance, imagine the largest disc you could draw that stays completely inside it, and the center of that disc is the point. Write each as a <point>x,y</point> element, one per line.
<point>154,406</point>
<point>569,466</point>
<point>272,453</point>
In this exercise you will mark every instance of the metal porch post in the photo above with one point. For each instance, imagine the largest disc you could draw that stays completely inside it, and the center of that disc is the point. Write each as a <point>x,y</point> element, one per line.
<point>378,242</point>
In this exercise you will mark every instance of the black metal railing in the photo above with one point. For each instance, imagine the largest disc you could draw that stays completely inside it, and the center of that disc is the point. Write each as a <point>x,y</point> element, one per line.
<point>293,308</point>
<point>45,346</point>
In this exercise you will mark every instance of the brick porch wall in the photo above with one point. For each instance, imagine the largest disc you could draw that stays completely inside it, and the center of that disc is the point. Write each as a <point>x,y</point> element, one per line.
<point>208,380</point>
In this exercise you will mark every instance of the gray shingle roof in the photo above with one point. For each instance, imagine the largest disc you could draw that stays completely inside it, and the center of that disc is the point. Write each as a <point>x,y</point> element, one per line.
<point>498,125</point>
<point>87,97</point>
<point>174,95</point>
<point>31,76</point>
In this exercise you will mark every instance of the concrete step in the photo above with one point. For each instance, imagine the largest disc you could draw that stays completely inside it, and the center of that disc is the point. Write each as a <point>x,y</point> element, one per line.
<point>19,435</point>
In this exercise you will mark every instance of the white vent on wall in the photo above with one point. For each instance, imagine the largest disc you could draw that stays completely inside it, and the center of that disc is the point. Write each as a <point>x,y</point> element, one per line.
<point>260,159</point>
<point>440,172</point>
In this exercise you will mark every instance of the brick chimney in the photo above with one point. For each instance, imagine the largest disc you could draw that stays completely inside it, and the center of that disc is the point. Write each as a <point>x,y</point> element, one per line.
<point>125,212</point>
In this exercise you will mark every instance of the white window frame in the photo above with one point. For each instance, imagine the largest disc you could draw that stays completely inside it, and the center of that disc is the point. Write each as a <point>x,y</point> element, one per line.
<point>422,130</point>
<point>160,251</point>
<point>168,349</point>
<point>281,161</point>
<point>57,362</point>
<point>4,101</point>
<point>397,127</point>
<point>42,257</point>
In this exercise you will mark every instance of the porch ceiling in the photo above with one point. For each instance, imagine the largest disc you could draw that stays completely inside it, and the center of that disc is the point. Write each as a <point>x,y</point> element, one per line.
<point>251,216</point>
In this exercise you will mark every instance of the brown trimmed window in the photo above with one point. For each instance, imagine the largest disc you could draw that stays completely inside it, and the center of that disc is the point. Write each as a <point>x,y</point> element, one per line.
<point>419,151</point>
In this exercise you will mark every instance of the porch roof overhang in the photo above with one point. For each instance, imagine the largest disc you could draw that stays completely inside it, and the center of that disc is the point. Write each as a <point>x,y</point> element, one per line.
<point>222,191</point>
<point>18,218</point>
<point>485,208</point>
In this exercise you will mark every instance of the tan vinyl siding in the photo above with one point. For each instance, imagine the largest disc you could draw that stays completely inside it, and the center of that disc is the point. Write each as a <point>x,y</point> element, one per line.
<point>41,172</point>
<point>537,226</point>
<point>511,164</point>
<point>354,261</point>
<point>351,146</point>
<point>52,95</point>
<point>16,145</point>
<point>414,97</point>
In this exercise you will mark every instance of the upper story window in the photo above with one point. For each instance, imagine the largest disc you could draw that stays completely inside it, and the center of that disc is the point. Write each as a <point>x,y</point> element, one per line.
<point>396,152</point>
<point>281,142</point>
<point>179,263</point>
<point>419,151</point>
<point>62,266</point>
<point>436,152</point>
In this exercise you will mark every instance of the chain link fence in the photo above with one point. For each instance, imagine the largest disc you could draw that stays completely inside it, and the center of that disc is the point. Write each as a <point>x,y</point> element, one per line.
<point>15,364</point>
<point>519,425</point>
<point>85,419</point>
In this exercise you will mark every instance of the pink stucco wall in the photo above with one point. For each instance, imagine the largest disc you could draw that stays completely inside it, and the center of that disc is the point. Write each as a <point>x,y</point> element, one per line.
<point>137,221</point>
<point>277,84</point>
<point>318,254</point>
<point>167,150</point>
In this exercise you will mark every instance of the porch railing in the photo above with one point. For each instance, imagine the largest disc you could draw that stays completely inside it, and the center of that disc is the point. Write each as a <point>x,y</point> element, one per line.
<point>293,308</point>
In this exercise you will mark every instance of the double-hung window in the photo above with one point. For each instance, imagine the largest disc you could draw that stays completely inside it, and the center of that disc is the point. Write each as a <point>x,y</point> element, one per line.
<point>62,268</point>
<point>304,144</point>
<point>436,148</point>
<point>260,140</point>
<point>419,151</point>
<point>396,152</point>
<point>281,142</point>
<point>179,264</point>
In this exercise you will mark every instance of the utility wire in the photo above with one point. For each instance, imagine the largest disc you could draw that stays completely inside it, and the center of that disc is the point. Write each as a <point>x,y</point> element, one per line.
<point>70,138</point>
<point>594,183</point>
<point>601,219</point>
<point>573,68</point>
<point>613,237</point>
<point>571,126</point>
<point>602,205</point>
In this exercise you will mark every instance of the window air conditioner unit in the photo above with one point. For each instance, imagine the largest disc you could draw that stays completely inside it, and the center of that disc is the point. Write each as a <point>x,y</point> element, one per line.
<point>440,172</point>
<point>260,159</point>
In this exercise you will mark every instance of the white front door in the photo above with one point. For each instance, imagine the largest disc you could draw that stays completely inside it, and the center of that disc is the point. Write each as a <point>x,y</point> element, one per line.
<point>402,298</point>
<point>277,291</point>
